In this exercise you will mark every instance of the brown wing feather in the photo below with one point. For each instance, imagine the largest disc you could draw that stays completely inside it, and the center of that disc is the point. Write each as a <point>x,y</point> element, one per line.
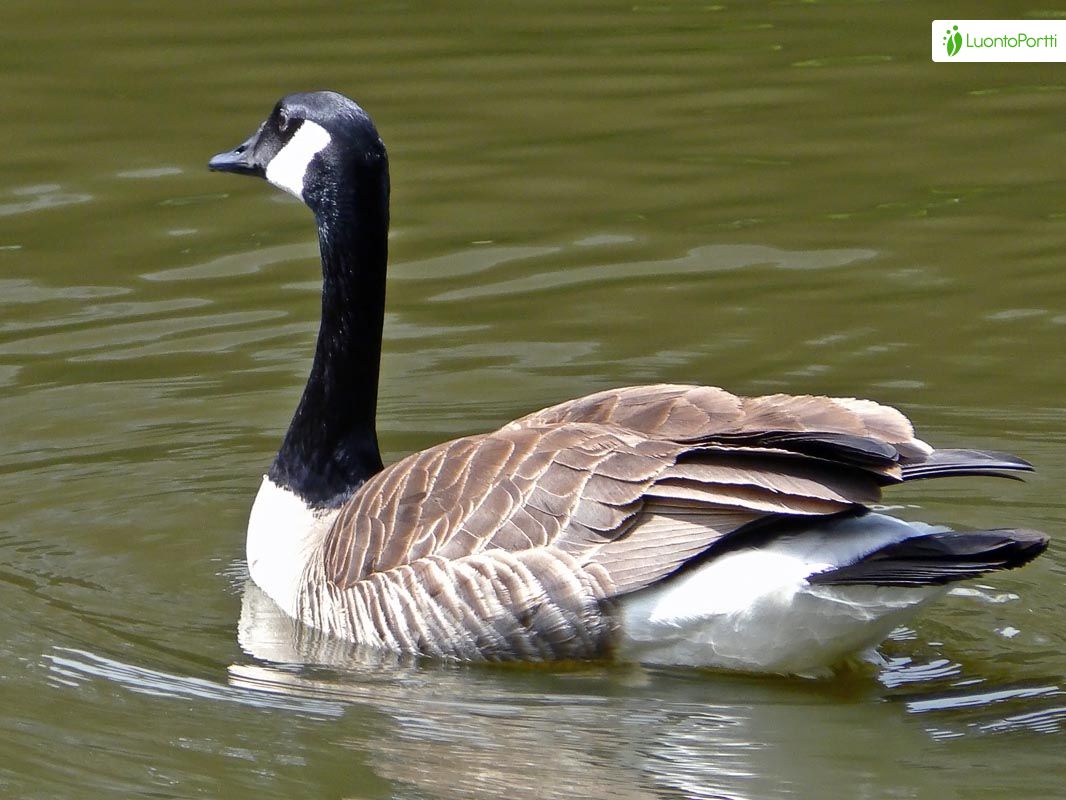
<point>664,411</point>
<point>583,474</point>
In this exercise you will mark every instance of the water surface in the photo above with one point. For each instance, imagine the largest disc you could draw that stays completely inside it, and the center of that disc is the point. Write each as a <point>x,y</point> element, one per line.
<point>768,197</point>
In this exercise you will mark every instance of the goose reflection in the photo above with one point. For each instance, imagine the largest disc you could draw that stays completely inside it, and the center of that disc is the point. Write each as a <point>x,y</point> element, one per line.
<point>454,731</point>
<point>591,731</point>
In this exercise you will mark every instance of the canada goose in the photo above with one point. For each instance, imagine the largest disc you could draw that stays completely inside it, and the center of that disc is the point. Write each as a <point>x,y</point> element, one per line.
<point>663,524</point>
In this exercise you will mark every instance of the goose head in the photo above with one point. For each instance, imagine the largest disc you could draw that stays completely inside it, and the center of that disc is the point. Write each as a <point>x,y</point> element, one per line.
<point>313,145</point>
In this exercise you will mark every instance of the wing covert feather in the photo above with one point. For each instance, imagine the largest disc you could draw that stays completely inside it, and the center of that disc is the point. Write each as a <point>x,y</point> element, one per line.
<point>579,475</point>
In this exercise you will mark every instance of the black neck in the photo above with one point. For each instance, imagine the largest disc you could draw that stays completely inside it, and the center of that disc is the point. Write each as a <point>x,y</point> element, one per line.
<point>331,447</point>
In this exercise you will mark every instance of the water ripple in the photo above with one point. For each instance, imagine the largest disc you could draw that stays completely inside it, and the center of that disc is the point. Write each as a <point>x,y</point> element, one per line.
<point>40,197</point>
<point>73,667</point>
<point>705,259</point>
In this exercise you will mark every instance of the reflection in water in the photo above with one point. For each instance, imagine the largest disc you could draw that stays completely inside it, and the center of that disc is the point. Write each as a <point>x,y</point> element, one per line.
<point>698,261</point>
<point>70,666</point>
<point>454,734</point>
<point>235,264</point>
<point>953,705</point>
<point>611,731</point>
<point>148,173</point>
<point>17,291</point>
<point>39,197</point>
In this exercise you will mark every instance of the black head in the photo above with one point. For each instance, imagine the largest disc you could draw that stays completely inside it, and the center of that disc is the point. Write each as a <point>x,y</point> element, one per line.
<point>311,145</point>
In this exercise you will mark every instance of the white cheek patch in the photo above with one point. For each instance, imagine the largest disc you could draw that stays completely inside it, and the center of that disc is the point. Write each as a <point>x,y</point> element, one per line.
<point>286,170</point>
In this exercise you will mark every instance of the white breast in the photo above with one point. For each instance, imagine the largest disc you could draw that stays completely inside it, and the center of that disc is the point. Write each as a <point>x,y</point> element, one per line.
<point>283,536</point>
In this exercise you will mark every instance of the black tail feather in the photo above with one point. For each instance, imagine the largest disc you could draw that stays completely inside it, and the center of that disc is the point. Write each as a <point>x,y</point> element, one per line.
<point>934,559</point>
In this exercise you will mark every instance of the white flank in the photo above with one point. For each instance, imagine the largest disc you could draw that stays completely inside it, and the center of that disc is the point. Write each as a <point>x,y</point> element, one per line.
<point>283,536</point>
<point>286,170</point>
<point>754,610</point>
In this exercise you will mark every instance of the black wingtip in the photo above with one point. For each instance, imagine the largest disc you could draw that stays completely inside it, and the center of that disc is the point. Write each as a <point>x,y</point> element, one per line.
<point>960,462</point>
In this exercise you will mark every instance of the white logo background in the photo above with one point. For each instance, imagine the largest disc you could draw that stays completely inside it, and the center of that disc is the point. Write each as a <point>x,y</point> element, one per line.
<point>983,40</point>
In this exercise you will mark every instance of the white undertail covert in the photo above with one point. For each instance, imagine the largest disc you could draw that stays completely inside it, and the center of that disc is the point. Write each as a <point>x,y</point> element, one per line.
<point>754,609</point>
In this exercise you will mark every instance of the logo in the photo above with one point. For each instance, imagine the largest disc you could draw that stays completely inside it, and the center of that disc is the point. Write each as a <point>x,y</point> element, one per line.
<point>998,40</point>
<point>953,40</point>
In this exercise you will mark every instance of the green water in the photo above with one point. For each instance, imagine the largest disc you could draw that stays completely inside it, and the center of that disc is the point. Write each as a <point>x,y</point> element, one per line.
<point>767,197</point>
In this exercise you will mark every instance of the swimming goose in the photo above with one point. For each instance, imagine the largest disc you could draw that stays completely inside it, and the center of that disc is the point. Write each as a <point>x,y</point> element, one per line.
<point>663,524</point>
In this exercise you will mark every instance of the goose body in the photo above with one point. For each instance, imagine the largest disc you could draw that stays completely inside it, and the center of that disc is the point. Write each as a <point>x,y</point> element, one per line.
<point>664,524</point>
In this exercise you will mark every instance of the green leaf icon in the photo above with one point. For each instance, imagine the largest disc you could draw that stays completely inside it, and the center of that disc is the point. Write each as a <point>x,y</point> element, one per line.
<point>953,41</point>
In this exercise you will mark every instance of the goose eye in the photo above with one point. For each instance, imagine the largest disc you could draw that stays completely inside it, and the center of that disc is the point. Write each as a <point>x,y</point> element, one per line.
<point>283,121</point>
